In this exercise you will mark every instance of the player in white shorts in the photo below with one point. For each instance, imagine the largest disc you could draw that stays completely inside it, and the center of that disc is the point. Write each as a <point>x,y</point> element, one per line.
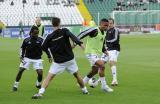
<point>58,42</point>
<point>31,53</point>
<point>95,41</point>
<point>113,47</point>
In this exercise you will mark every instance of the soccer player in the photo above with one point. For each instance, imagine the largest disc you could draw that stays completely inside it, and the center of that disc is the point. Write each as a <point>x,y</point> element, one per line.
<point>31,52</point>
<point>58,42</point>
<point>94,46</point>
<point>40,26</point>
<point>113,47</point>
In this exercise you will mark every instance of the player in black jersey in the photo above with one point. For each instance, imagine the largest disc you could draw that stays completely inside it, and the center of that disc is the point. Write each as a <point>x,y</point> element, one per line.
<point>59,45</point>
<point>31,52</point>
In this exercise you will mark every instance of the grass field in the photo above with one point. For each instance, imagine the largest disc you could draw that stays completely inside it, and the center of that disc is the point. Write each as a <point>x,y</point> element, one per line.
<point>138,74</point>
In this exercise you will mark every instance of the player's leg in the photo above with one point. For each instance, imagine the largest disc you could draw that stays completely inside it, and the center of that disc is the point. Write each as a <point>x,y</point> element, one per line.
<point>54,70</point>
<point>80,82</point>
<point>112,62</point>
<point>38,66</point>
<point>45,84</point>
<point>23,66</point>
<point>93,72</point>
<point>39,77</point>
<point>73,69</point>
<point>18,77</point>
<point>94,68</point>
<point>104,85</point>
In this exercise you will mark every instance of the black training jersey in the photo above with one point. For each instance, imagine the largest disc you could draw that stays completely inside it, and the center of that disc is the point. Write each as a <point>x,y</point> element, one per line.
<point>31,48</point>
<point>112,39</point>
<point>59,45</point>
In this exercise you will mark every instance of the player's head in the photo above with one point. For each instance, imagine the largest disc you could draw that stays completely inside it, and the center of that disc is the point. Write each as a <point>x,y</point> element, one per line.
<point>56,22</point>
<point>111,22</point>
<point>34,31</point>
<point>103,24</point>
<point>38,21</point>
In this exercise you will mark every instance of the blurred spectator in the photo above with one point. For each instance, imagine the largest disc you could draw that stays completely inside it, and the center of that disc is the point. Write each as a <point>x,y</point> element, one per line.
<point>90,1</point>
<point>2,26</point>
<point>101,1</point>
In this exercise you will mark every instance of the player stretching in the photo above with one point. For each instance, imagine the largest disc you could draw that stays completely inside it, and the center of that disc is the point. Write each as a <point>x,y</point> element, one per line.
<point>59,45</point>
<point>94,52</point>
<point>31,53</point>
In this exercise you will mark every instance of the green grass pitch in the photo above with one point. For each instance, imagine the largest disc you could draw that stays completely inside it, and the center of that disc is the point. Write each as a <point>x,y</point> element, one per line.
<point>138,74</point>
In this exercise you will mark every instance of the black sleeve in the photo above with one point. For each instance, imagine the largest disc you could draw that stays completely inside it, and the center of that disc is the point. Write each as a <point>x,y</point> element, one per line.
<point>23,49</point>
<point>104,46</point>
<point>92,32</point>
<point>73,37</point>
<point>45,46</point>
<point>42,30</point>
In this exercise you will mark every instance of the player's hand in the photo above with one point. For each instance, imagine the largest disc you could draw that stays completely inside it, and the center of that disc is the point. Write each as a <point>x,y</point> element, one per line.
<point>50,60</point>
<point>82,46</point>
<point>21,59</point>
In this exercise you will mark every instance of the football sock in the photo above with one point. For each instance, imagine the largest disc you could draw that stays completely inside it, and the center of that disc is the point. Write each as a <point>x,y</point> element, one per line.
<point>103,82</point>
<point>16,84</point>
<point>114,72</point>
<point>41,91</point>
<point>85,80</point>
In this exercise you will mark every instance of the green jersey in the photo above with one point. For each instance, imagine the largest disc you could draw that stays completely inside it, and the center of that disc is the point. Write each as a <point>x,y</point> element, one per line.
<point>95,40</point>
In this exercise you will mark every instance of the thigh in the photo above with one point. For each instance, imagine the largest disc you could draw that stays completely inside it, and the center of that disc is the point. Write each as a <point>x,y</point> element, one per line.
<point>37,65</point>
<point>104,57</point>
<point>57,68</point>
<point>72,66</point>
<point>113,55</point>
<point>25,64</point>
<point>93,58</point>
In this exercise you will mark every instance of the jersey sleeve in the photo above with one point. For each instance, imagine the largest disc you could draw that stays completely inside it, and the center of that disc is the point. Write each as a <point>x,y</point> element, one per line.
<point>45,45</point>
<point>23,48</point>
<point>92,32</point>
<point>73,37</point>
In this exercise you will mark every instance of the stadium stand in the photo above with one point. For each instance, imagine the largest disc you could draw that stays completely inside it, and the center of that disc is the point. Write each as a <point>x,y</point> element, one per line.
<point>104,9</point>
<point>14,11</point>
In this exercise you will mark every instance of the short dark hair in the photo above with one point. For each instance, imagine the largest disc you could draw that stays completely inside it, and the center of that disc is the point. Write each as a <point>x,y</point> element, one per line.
<point>104,20</point>
<point>111,19</point>
<point>56,21</point>
<point>33,28</point>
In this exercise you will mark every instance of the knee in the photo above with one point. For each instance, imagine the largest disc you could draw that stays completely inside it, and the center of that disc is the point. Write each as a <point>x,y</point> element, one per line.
<point>40,72</point>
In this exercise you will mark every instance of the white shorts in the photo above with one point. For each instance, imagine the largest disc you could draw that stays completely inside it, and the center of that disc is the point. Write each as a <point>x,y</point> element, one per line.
<point>69,66</point>
<point>93,58</point>
<point>37,64</point>
<point>113,56</point>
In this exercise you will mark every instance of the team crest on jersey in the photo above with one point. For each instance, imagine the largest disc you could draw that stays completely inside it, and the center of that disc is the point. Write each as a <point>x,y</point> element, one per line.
<point>29,42</point>
<point>37,42</point>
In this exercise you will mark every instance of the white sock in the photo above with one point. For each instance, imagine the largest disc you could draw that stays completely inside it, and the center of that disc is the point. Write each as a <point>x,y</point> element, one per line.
<point>85,80</point>
<point>41,91</point>
<point>103,82</point>
<point>114,72</point>
<point>38,83</point>
<point>16,84</point>
<point>84,89</point>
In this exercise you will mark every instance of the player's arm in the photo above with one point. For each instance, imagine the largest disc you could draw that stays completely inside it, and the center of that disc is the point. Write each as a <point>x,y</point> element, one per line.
<point>115,34</point>
<point>22,50</point>
<point>45,47</point>
<point>104,48</point>
<point>74,39</point>
<point>92,32</point>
